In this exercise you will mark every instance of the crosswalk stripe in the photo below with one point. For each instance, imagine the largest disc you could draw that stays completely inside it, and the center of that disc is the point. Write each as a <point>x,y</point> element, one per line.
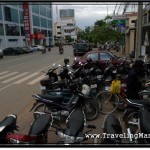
<point>26,78</point>
<point>36,80</point>
<point>5,76</point>
<point>4,72</point>
<point>13,78</point>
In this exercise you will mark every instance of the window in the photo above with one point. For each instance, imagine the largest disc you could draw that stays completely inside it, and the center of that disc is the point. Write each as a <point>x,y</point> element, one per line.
<point>12,30</point>
<point>1,29</point>
<point>105,56</point>
<point>35,30</point>
<point>35,9</point>
<point>21,16</point>
<point>49,24</point>
<point>45,32</point>
<point>58,27</point>
<point>93,56</point>
<point>7,13</point>
<point>22,31</point>
<point>49,15</point>
<point>42,11</point>
<point>36,20</point>
<point>43,22</point>
<point>1,13</point>
<point>11,14</point>
<point>58,32</point>
<point>49,33</point>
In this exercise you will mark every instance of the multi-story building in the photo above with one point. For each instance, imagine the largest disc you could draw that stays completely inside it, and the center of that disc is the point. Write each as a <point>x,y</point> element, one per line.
<point>130,34</point>
<point>146,29</point>
<point>66,25</point>
<point>25,23</point>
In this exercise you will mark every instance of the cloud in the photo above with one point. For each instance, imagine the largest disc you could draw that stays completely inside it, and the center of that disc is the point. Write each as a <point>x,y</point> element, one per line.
<point>86,14</point>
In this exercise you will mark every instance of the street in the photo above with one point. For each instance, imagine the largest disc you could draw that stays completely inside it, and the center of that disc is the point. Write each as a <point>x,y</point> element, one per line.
<point>20,78</point>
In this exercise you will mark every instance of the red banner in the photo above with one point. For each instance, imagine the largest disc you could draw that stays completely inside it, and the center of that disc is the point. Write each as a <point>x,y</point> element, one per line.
<point>26,18</point>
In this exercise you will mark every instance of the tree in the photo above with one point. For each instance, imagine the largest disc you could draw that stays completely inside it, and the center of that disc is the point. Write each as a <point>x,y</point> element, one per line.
<point>68,38</point>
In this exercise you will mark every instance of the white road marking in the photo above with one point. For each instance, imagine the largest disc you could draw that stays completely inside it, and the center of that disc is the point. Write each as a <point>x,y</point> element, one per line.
<point>36,80</point>
<point>4,72</point>
<point>26,78</point>
<point>5,76</point>
<point>13,78</point>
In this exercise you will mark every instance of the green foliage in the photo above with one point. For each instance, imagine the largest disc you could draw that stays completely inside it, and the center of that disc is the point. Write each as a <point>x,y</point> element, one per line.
<point>101,32</point>
<point>68,38</point>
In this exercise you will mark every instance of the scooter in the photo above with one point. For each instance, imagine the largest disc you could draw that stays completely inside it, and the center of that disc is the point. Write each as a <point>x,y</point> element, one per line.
<point>73,133</point>
<point>38,133</point>
<point>7,125</point>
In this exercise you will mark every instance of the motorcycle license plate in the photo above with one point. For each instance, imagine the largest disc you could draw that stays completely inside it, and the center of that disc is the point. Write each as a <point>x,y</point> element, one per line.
<point>93,86</point>
<point>107,88</point>
<point>99,76</point>
<point>43,87</point>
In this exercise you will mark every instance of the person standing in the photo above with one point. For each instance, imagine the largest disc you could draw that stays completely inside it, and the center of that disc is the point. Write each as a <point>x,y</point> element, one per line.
<point>133,79</point>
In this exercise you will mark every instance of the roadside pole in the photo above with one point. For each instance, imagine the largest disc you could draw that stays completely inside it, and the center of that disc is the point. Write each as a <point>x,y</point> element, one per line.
<point>139,30</point>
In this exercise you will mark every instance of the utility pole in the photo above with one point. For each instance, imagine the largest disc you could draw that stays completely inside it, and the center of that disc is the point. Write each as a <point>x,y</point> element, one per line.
<point>139,30</point>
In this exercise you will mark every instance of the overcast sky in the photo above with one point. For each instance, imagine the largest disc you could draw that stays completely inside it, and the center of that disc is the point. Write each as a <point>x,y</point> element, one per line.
<point>86,15</point>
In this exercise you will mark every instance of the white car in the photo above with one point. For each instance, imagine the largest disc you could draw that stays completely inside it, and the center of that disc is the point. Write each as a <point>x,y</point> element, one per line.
<point>1,53</point>
<point>37,48</point>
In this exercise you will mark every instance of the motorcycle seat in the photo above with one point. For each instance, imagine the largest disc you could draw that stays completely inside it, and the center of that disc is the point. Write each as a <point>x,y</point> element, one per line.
<point>8,121</point>
<point>40,125</point>
<point>55,98</point>
<point>137,102</point>
<point>75,123</point>
<point>112,125</point>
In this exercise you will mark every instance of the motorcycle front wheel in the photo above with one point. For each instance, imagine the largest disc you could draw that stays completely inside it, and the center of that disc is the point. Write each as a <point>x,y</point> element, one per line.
<point>41,109</point>
<point>91,110</point>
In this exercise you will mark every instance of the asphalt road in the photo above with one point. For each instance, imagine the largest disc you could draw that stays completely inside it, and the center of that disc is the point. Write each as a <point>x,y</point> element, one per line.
<point>19,79</point>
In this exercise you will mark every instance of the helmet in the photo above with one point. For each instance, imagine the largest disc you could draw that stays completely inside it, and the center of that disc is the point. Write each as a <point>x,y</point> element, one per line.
<point>66,61</point>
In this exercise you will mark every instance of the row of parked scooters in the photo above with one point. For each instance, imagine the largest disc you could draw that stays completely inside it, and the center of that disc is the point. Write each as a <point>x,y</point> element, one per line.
<point>70,95</point>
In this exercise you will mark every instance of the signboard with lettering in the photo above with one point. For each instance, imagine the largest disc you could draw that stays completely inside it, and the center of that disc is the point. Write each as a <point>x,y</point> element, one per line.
<point>26,18</point>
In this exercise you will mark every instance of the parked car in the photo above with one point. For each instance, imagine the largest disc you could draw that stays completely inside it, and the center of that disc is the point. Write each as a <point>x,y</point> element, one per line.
<point>28,49</point>
<point>1,53</point>
<point>102,56</point>
<point>12,51</point>
<point>22,50</point>
<point>81,48</point>
<point>37,48</point>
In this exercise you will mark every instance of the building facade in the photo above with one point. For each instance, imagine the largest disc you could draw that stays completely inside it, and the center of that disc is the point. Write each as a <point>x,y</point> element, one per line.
<point>130,34</point>
<point>146,31</point>
<point>65,26</point>
<point>25,24</point>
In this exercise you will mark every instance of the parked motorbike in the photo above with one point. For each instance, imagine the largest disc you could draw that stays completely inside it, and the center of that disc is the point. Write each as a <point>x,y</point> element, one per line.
<point>111,127</point>
<point>7,125</point>
<point>75,124</point>
<point>38,133</point>
<point>131,115</point>
<point>63,103</point>
<point>52,82</point>
<point>137,121</point>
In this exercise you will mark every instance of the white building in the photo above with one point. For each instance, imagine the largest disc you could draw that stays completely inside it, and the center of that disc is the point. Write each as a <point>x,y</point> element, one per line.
<point>66,25</point>
<point>25,23</point>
